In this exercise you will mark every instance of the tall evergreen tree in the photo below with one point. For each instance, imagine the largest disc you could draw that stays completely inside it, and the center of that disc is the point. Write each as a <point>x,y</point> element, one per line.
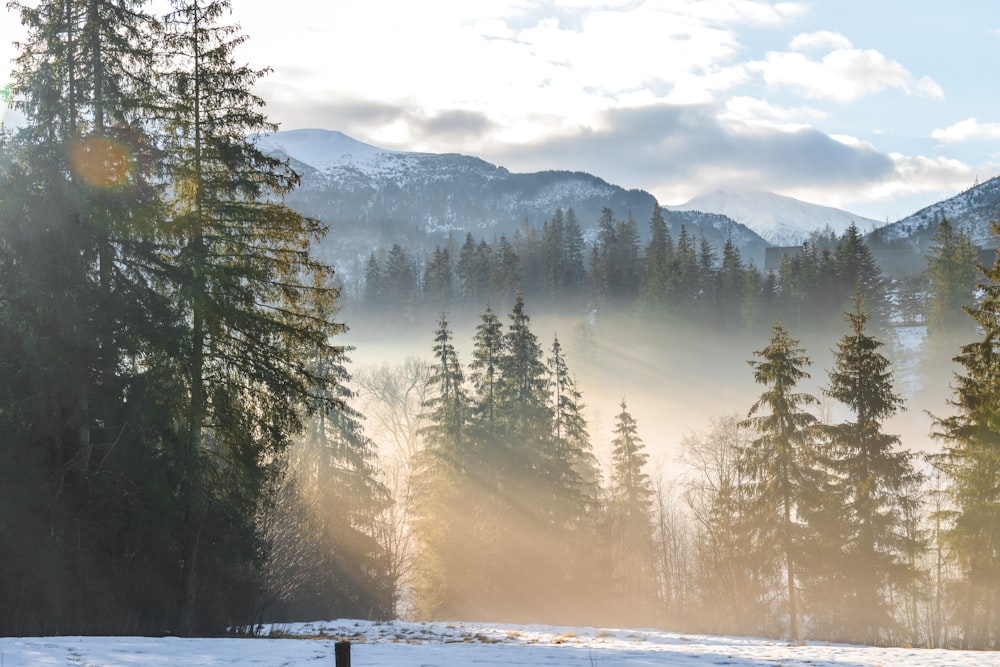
<point>248,286</point>
<point>438,279</point>
<point>83,328</point>
<point>877,484</point>
<point>446,492</point>
<point>574,249</point>
<point>779,462</point>
<point>972,464</point>
<point>631,518</point>
<point>484,372</point>
<point>659,257</point>
<point>951,272</point>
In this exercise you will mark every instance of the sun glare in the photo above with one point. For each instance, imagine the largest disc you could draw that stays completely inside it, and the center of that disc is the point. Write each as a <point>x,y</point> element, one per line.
<point>101,162</point>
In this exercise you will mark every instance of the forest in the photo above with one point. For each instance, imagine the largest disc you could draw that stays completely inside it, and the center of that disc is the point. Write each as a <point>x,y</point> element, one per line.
<point>188,451</point>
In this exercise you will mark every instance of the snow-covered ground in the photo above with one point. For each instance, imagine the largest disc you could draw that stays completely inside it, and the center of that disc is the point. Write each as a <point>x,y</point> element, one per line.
<point>400,644</point>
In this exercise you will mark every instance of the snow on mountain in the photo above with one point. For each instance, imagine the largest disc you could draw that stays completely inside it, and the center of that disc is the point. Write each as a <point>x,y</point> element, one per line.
<point>364,188</point>
<point>337,156</point>
<point>971,211</point>
<point>321,149</point>
<point>780,220</point>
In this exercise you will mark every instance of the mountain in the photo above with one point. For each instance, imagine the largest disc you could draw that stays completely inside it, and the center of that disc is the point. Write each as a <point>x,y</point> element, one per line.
<point>781,221</point>
<point>347,180</point>
<point>971,211</point>
<point>371,195</point>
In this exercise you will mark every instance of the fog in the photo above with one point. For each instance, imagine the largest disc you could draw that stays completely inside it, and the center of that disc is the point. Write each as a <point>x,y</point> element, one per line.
<point>674,376</point>
<point>687,386</point>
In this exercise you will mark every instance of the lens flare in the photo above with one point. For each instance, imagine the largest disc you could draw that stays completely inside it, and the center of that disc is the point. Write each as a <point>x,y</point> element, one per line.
<point>101,162</point>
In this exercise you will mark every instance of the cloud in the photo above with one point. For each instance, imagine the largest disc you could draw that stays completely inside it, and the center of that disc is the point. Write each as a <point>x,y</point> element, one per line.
<point>966,130</point>
<point>668,148</point>
<point>755,111</point>
<point>843,74</point>
<point>822,40</point>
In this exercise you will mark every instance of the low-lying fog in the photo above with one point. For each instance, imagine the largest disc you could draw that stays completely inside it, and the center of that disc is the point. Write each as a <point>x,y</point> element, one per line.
<point>675,377</point>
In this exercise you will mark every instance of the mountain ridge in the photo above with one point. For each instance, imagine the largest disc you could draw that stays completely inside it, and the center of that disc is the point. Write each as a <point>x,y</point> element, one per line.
<point>422,198</point>
<point>780,220</point>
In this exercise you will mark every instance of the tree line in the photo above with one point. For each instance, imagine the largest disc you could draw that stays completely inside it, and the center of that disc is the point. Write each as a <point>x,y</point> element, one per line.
<point>791,521</point>
<point>666,277</point>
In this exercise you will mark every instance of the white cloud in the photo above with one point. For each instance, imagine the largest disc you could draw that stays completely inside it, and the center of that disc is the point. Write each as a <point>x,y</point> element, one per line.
<point>914,174</point>
<point>755,111</point>
<point>822,40</point>
<point>843,75</point>
<point>966,130</point>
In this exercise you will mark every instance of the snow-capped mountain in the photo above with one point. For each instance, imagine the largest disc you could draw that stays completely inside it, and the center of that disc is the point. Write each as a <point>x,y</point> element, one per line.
<point>971,211</point>
<point>362,190</point>
<point>780,220</point>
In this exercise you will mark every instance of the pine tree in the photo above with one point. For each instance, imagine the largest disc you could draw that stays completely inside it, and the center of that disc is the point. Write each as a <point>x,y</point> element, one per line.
<point>732,293</point>
<point>84,328</point>
<point>573,481</point>
<point>971,462</point>
<point>487,350</point>
<point>446,493</point>
<point>399,279</point>
<point>438,279</point>
<point>876,486</point>
<point>247,284</point>
<point>951,271</point>
<point>333,466</point>
<point>856,267</point>
<point>554,252</point>
<point>374,296</point>
<point>574,250</point>
<point>659,257</point>
<point>580,476</point>
<point>631,518</point>
<point>779,464</point>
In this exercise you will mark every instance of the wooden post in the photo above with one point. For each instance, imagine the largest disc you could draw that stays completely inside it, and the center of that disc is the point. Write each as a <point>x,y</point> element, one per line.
<point>342,653</point>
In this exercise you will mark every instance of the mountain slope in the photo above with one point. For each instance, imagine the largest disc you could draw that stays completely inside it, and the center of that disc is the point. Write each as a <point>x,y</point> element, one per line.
<point>780,220</point>
<point>363,191</point>
<point>971,211</point>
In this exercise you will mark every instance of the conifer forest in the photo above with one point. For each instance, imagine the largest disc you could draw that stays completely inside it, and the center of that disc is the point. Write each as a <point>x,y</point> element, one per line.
<point>187,447</point>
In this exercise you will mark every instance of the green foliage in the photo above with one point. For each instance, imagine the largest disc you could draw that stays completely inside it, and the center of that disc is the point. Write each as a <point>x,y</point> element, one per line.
<point>951,274</point>
<point>631,519</point>
<point>971,462</point>
<point>160,318</point>
<point>873,489</point>
<point>780,462</point>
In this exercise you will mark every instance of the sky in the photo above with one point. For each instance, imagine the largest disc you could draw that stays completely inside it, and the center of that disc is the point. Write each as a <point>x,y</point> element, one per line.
<point>879,107</point>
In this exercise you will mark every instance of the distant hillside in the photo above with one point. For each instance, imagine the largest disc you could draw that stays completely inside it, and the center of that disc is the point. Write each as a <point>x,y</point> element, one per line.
<point>369,194</point>
<point>971,211</point>
<point>780,220</point>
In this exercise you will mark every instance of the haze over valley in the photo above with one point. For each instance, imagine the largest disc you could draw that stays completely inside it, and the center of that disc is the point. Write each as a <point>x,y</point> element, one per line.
<point>593,315</point>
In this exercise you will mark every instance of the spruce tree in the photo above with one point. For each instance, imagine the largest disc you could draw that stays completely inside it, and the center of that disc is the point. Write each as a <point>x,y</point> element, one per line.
<point>484,372</point>
<point>247,283</point>
<point>779,462</point>
<point>971,462</point>
<point>876,487</point>
<point>84,327</point>
<point>951,272</point>
<point>659,256</point>
<point>447,495</point>
<point>574,249</point>
<point>631,518</point>
<point>334,468</point>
